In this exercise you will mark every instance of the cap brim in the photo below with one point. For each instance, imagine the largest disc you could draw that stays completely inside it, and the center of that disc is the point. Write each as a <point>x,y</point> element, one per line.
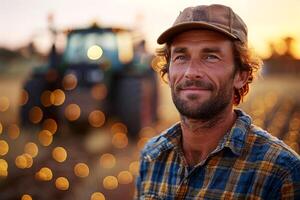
<point>177,29</point>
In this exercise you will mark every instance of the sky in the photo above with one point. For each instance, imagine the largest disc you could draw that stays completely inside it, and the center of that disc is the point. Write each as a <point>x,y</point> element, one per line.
<point>25,20</point>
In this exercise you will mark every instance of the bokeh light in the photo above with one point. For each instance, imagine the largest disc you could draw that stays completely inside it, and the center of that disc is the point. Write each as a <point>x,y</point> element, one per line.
<point>44,174</point>
<point>107,161</point>
<point>13,131</point>
<point>3,147</point>
<point>147,132</point>
<point>141,143</point>
<point>50,125</point>
<point>99,91</point>
<point>1,128</point>
<point>72,112</point>
<point>3,173</point>
<point>59,154</point>
<point>125,177</point>
<point>110,182</point>
<point>97,196</point>
<point>118,127</point>
<point>46,98</point>
<point>134,167</point>
<point>45,137</point>
<point>31,149</point>
<point>96,118</point>
<point>4,103</point>
<point>94,52</point>
<point>81,170</point>
<point>24,161</point>
<point>29,160</point>
<point>62,183</point>
<point>3,165</point>
<point>26,197</point>
<point>125,47</point>
<point>120,140</point>
<point>57,97</point>
<point>69,82</point>
<point>3,168</point>
<point>24,97</point>
<point>35,114</point>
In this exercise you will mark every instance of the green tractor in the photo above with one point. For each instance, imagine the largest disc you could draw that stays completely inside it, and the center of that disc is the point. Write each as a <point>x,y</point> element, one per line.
<point>100,76</point>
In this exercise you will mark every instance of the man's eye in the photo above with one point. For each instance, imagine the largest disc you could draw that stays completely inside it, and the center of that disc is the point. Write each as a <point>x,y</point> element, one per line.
<point>180,57</point>
<point>211,58</point>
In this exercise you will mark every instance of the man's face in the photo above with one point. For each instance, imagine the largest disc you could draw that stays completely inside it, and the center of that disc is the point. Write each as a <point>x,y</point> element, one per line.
<point>201,74</point>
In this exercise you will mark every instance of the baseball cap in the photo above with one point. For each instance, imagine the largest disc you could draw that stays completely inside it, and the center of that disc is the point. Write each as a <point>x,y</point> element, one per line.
<point>214,17</point>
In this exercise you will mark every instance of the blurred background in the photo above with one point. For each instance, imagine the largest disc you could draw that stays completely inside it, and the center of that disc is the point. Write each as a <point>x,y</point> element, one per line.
<point>79,97</point>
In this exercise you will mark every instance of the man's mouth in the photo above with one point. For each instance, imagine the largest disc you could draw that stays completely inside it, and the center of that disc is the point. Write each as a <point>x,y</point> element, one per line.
<point>194,91</point>
<point>194,86</point>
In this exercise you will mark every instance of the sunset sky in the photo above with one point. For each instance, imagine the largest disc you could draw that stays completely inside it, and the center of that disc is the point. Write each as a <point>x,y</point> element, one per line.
<point>25,20</point>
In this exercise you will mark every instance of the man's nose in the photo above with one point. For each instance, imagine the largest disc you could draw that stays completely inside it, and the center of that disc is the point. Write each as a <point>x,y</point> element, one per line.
<point>194,70</point>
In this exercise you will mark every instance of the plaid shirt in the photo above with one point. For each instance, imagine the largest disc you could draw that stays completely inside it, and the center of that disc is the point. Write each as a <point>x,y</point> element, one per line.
<point>248,163</point>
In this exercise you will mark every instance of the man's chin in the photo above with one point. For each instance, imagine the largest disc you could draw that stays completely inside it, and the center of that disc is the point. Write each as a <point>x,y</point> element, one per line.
<point>189,109</point>
<point>196,108</point>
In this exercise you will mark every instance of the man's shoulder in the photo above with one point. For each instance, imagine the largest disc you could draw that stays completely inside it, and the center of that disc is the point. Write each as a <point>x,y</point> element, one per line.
<point>272,148</point>
<point>160,143</point>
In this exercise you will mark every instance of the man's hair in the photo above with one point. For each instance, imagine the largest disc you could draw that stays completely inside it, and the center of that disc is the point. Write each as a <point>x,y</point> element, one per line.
<point>244,59</point>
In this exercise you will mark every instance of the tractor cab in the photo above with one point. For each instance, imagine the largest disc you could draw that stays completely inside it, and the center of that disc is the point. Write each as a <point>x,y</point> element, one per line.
<point>99,71</point>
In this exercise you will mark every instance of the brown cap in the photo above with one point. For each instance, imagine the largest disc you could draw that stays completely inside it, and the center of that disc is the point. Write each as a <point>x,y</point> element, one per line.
<point>213,17</point>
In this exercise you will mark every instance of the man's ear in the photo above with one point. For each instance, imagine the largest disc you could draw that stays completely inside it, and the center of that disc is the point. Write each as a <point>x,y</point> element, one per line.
<point>240,79</point>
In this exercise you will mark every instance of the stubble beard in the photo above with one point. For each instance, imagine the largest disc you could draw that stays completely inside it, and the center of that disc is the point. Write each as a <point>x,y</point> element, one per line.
<point>207,110</point>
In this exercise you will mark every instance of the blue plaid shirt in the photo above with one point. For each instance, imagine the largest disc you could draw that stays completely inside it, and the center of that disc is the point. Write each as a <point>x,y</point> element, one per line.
<point>248,163</point>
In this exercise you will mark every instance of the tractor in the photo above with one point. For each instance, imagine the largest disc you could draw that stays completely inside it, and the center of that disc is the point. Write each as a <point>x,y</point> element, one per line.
<point>100,76</point>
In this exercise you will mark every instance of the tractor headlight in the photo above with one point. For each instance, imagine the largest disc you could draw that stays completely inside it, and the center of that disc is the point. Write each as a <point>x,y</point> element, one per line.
<point>94,52</point>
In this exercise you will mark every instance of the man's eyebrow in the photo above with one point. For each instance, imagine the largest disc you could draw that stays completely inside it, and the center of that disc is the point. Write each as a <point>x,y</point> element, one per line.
<point>211,50</point>
<point>179,50</point>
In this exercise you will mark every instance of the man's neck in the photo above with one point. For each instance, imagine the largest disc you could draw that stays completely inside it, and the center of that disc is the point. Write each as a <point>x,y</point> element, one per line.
<point>200,138</point>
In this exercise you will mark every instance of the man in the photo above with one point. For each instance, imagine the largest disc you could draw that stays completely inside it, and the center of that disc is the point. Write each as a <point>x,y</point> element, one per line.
<point>215,152</point>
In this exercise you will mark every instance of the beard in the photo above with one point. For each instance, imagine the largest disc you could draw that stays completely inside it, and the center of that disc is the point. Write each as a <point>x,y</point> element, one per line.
<point>207,110</point>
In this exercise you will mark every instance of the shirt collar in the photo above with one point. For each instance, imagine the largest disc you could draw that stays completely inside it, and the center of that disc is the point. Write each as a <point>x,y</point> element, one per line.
<point>171,138</point>
<point>163,142</point>
<point>237,134</point>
